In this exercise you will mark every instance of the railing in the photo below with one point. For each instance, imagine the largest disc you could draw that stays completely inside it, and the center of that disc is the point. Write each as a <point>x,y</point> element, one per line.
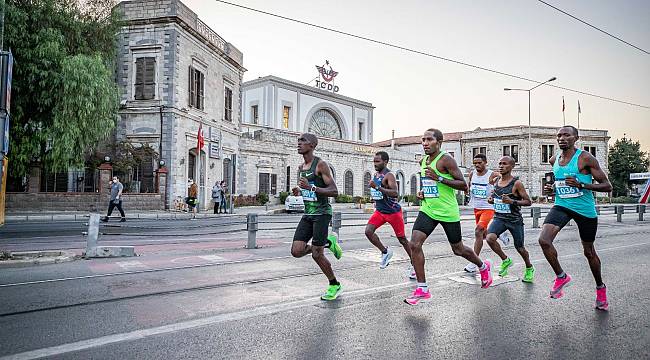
<point>618,210</point>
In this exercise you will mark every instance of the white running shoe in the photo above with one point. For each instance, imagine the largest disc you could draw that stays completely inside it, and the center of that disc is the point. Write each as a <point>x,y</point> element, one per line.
<point>385,258</point>
<point>505,239</point>
<point>411,273</point>
<point>471,268</point>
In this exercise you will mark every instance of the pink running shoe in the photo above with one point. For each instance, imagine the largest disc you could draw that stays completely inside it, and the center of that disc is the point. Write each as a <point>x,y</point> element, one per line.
<point>486,275</point>
<point>417,296</point>
<point>558,284</point>
<point>601,299</point>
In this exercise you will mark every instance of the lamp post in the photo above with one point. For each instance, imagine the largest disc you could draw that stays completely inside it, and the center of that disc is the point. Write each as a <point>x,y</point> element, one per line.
<point>530,139</point>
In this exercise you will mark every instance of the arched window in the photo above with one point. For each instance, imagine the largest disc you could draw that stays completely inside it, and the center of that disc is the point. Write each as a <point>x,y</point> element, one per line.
<point>366,180</point>
<point>399,177</point>
<point>349,183</point>
<point>324,123</point>
<point>414,184</point>
<point>227,173</point>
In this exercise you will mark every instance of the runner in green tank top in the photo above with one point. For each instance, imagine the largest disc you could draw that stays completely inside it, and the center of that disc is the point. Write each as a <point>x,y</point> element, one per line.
<point>440,177</point>
<point>316,185</point>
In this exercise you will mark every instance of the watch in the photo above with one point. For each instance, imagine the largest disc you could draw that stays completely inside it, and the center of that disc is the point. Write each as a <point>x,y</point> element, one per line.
<point>313,188</point>
<point>440,178</point>
<point>580,185</point>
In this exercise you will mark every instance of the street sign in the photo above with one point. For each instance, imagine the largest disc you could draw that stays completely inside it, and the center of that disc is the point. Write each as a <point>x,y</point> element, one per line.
<point>640,176</point>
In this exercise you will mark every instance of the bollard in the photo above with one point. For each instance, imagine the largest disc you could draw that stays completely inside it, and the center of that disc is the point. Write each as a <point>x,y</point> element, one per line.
<point>251,226</point>
<point>93,233</point>
<point>619,213</point>
<point>536,213</point>
<point>336,225</point>
<point>405,215</point>
<point>597,210</point>
<point>641,210</point>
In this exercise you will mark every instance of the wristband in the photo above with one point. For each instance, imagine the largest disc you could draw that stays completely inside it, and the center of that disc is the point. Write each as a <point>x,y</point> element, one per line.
<point>313,188</point>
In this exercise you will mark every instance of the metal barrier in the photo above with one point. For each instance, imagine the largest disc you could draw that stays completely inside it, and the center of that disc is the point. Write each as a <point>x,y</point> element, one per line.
<point>536,213</point>
<point>641,210</point>
<point>405,215</point>
<point>336,224</point>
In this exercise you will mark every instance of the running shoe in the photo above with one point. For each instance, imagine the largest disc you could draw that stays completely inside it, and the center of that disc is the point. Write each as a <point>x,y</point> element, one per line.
<point>601,299</point>
<point>558,284</point>
<point>334,246</point>
<point>505,239</point>
<point>411,273</point>
<point>331,293</point>
<point>471,268</point>
<point>417,296</point>
<point>486,275</point>
<point>385,258</point>
<point>505,264</point>
<point>529,274</point>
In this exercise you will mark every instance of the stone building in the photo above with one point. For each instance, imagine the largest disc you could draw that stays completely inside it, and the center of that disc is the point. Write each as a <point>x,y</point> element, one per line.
<point>176,74</point>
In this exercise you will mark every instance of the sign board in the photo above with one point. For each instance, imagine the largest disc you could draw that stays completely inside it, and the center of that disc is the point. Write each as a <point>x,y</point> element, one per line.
<point>640,176</point>
<point>6,68</point>
<point>215,151</point>
<point>327,74</point>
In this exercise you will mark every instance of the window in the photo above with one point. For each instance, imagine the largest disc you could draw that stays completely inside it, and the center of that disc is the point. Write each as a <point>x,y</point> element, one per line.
<point>324,123</point>
<point>255,115</point>
<point>274,184</point>
<point>286,110</point>
<point>366,180</point>
<point>264,183</point>
<point>361,131</point>
<point>197,89</point>
<point>479,150</point>
<point>591,149</point>
<point>227,107</point>
<point>145,78</point>
<point>227,173</point>
<point>414,184</point>
<point>547,153</point>
<point>512,151</point>
<point>452,154</point>
<point>349,183</point>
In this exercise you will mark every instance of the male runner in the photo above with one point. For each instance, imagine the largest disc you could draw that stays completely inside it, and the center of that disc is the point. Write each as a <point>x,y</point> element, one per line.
<point>480,188</point>
<point>384,192</point>
<point>439,176</point>
<point>316,184</point>
<point>574,172</point>
<point>508,197</point>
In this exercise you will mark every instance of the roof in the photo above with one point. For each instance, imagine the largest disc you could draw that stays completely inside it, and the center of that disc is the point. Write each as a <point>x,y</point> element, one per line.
<point>417,139</point>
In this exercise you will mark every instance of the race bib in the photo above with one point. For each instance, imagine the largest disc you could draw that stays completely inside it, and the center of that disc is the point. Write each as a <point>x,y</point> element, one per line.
<point>500,207</point>
<point>480,191</point>
<point>565,191</point>
<point>376,194</point>
<point>429,188</point>
<point>308,195</point>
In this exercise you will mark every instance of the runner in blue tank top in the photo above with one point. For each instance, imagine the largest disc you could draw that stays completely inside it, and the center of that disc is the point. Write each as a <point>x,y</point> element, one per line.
<point>574,172</point>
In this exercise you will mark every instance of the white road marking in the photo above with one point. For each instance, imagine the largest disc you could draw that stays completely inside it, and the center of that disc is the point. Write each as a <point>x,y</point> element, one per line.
<point>237,315</point>
<point>130,265</point>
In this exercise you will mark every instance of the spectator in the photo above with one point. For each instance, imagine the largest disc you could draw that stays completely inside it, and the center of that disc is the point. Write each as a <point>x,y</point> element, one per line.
<point>224,192</point>
<point>192,195</point>
<point>217,196</point>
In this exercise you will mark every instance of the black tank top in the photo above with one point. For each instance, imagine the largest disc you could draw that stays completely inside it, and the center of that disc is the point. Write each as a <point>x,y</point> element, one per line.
<point>315,204</point>
<point>507,212</point>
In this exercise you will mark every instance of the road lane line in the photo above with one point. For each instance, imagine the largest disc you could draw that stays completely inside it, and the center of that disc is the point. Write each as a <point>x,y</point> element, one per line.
<point>238,315</point>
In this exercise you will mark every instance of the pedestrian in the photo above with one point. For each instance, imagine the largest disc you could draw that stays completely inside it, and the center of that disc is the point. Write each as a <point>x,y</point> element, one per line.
<point>192,194</point>
<point>224,192</point>
<point>116,199</point>
<point>217,195</point>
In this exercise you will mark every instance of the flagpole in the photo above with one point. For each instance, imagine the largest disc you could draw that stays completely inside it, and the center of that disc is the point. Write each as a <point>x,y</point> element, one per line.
<point>563,115</point>
<point>579,111</point>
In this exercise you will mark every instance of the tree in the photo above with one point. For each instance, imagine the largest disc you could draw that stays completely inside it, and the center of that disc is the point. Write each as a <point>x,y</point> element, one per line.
<point>625,157</point>
<point>64,97</point>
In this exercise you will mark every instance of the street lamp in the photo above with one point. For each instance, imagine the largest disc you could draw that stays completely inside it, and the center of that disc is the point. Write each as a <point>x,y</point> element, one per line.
<point>530,141</point>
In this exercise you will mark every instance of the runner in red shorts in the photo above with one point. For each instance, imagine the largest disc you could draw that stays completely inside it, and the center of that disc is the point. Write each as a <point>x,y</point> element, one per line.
<point>384,192</point>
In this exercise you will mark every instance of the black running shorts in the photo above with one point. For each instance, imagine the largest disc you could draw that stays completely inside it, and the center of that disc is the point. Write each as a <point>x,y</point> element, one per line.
<point>560,216</point>
<point>313,226</point>
<point>426,224</point>
<point>498,226</point>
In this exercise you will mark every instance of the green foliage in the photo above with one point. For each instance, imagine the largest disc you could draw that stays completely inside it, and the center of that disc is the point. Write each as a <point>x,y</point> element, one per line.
<point>64,99</point>
<point>262,198</point>
<point>624,200</point>
<point>125,155</point>
<point>283,196</point>
<point>343,199</point>
<point>361,199</point>
<point>625,157</point>
<point>412,199</point>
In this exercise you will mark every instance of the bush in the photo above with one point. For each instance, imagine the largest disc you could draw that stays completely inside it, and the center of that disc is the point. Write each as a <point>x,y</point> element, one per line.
<point>283,196</point>
<point>342,198</point>
<point>262,198</point>
<point>361,199</point>
<point>248,200</point>
<point>412,199</point>
<point>624,200</point>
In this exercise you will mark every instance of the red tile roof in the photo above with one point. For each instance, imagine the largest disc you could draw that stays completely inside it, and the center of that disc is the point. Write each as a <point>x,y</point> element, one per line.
<point>417,139</point>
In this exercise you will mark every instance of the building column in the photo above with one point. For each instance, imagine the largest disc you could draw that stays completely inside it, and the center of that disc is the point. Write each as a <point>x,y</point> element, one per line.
<point>34,181</point>
<point>161,185</point>
<point>105,174</point>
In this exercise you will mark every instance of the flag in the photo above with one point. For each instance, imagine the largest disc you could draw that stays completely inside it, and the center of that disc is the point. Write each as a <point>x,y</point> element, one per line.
<point>563,104</point>
<point>578,106</point>
<point>201,140</point>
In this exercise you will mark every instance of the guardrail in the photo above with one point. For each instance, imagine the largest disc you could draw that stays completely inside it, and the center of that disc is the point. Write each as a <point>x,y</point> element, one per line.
<point>618,210</point>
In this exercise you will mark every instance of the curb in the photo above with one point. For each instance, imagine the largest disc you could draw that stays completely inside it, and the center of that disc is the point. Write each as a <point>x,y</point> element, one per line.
<point>45,259</point>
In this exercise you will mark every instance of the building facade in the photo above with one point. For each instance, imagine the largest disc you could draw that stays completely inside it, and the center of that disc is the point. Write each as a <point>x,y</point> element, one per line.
<point>176,75</point>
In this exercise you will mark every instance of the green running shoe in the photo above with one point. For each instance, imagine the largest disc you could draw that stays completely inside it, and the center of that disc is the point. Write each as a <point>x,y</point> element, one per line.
<point>505,264</point>
<point>334,246</point>
<point>332,293</point>
<point>529,274</point>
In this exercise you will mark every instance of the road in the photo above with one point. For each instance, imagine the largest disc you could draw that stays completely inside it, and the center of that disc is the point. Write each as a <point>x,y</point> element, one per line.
<point>194,302</point>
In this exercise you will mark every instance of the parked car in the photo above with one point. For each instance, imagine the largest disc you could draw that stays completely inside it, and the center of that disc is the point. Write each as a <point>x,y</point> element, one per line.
<point>294,204</point>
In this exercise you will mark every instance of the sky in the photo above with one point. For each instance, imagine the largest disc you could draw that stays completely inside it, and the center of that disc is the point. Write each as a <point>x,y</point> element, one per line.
<point>413,92</point>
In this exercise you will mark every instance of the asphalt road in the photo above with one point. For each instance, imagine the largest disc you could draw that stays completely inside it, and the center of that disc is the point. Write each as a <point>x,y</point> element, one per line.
<point>263,304</point>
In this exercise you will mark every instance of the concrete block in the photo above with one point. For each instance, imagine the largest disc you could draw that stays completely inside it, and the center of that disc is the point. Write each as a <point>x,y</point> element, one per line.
<point>110,251</point>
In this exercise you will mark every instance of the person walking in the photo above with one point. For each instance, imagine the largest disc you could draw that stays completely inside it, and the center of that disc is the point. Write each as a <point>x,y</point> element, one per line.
<point>192,194</point>
<point>224,190</point>
<point>217,195</point>
<point>116,199</point>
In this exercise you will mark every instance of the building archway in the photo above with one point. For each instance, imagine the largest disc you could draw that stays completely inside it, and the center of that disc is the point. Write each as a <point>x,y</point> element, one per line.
<point>366,179</point>
<point>399,178</point>
<point>414,184</point>
<point>327,121</point>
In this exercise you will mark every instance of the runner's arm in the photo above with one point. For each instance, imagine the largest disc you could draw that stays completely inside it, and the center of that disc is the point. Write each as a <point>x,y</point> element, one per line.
<point>330,188</point>
<point>521,191</point>
<point>470,182</point>
<point>458,182</point>
<point>391,186</point>
<point>599,175</point>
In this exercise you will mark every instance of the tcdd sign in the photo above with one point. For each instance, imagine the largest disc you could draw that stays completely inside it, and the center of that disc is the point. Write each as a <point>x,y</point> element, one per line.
<point>327,74</point>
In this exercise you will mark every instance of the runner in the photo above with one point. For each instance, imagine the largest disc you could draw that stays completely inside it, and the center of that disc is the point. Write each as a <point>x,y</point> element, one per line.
<point>317,185</point>
<point>384,192</point>
<point>481,180</point>
<point>574,172</point>
<point>439,177</point>
<point>508,197</point>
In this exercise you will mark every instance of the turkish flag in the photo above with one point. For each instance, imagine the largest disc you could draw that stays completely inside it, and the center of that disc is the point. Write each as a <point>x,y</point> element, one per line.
<point>201,140</point>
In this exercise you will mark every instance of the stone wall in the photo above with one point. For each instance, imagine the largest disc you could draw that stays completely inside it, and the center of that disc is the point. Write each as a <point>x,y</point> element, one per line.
<point>94,202</point>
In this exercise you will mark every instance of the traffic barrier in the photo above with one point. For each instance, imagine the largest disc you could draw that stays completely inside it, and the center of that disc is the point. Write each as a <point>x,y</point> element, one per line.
<point>336,224</point>
<point>619,213</point>
<point>93,250</point>
<point>405,215</point>
<point>536,213</point>
<point>252,227</point>
<point>641,210</point>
